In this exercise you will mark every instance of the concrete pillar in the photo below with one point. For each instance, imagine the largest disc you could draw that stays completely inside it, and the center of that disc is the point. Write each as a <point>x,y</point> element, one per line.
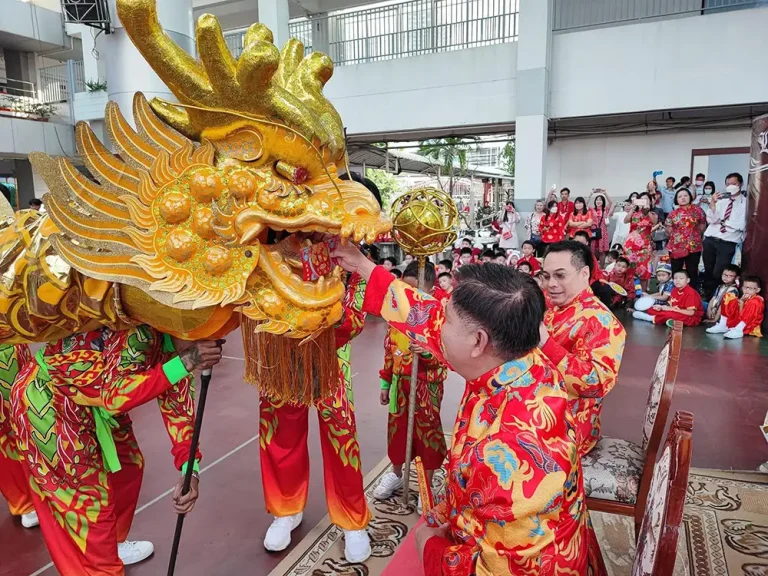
<point>25,182</point>
<point>531,124</point>
<point>90,62</point>
<point>320,37</point>
<point>126,70</point>
<point>274,14</point>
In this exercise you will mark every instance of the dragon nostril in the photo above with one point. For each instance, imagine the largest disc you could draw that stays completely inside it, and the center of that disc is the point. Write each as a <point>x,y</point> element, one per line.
<point>248,254</point>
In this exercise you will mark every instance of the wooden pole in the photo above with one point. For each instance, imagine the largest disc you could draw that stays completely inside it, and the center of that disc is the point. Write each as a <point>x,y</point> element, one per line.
<point>412,402</point>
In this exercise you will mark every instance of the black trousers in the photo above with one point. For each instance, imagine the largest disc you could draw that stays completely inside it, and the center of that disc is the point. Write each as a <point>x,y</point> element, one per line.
<point>717,255</point>
<point>604,292</point>
<point>691,265</point>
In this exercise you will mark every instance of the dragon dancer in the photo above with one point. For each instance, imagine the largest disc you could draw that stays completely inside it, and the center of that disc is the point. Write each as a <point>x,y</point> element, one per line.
<point>70,417</point>
<point>14,485</point>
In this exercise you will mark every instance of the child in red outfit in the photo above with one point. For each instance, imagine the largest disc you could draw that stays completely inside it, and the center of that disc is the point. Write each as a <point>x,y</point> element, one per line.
<point>684,304</point>
<point>444,288</point>
<point>529,257</point>
<point>742,316</point>
<point>622,276</point>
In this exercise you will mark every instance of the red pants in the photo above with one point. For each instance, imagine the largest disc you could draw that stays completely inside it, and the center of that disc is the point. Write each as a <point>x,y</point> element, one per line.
<point>112,517</point>
<point>428,437</point>
<point>285,460</point>
<point>664,316</point>
<point>751,314</point>
<point>14,485</point>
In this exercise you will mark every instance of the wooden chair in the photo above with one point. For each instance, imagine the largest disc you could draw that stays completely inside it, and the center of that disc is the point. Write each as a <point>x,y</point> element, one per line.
<point>617,473</point>
<point>660,529</point>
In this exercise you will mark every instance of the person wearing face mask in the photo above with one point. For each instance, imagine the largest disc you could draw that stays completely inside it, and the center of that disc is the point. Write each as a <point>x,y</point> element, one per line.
<point>552,225</point>
<point>639,243</point>
<point>698,188</point>
<point>727,219</point>
<point>706,194</point>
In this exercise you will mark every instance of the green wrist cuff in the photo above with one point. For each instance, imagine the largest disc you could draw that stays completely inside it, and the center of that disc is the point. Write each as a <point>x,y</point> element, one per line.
<point>168,344</point>
<point>174,370</point>
<point>195,467</point>
<point>384,384</point>
<point>427,356</point>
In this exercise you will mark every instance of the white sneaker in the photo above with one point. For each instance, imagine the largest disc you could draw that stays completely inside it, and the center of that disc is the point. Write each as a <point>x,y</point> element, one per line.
<point>357,546</point>
<point>719,328</point>
<point>278,536</point>
<point>734,333</point>
<point>30,520</point>
<point>387,486</point>
<point>134,552</point>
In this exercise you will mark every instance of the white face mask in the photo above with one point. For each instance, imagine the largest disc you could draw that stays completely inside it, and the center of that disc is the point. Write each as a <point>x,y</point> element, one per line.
<point>553,210</point>
<point>732,190</point>
<point>708,191</point>
<point>699,183</point>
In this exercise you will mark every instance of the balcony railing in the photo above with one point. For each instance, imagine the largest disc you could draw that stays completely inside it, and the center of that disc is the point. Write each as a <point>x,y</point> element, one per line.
<point>54,82</point>
<point>403,29</point>
<point>577,14</point>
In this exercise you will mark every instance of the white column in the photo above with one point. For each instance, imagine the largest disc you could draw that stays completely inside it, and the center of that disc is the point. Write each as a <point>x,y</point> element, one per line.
<point>531,124</point>
<point>320,38</point>
<point>274,14</point>
<point>126,70</point>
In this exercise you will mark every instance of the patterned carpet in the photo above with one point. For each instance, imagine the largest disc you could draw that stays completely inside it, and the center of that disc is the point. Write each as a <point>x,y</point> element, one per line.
<point>725,531</point>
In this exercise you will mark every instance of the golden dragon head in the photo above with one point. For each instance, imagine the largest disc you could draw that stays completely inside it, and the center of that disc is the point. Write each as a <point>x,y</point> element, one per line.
<point>209,201</point>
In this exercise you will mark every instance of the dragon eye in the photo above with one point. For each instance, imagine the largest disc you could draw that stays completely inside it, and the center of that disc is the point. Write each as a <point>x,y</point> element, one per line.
<point>296,174</point>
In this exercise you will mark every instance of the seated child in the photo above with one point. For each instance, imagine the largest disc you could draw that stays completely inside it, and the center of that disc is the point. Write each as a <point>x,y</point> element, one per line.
<point>529,256</point>
<point>539,278</point>
<point>444,266</point>
<point>428,438</point>
<point>513,256</point>
<point>622,276</point>
<point>487,256</point>
<point>666,285</point>
<point>618,248</point>
<point>610,261</point>
<point>742,316</point>
<point>525,268</point>
<point>500,257</point>
<point>730,280</point>
<point>444,289</point>
<point>684,304</point>
<point>466,257</point>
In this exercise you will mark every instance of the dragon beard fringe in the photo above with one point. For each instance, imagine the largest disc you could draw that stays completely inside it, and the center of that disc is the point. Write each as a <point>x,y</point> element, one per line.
<point>286,370</point>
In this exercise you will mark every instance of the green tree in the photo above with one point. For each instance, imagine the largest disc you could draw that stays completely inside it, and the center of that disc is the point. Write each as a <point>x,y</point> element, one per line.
<point>508,158</point>
<point>387,183</point>
<point>452,155</point>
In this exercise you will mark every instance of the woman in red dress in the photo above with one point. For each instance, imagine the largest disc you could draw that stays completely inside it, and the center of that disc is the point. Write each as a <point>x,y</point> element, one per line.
<point>602,211</point>
<point>552,225</point>
<point>639,244</point>
<point>580,218</point>
<point>685,225</point>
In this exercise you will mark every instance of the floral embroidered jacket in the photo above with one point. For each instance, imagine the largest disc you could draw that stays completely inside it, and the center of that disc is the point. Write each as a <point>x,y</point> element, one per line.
<point>515,499</point>
<point>586,344</point>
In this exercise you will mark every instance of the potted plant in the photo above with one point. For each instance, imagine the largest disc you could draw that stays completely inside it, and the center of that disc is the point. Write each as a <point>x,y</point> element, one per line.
<point>96,85</point>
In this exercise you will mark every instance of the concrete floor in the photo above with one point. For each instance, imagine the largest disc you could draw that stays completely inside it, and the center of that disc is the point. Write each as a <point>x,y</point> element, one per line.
<point>724,383</point>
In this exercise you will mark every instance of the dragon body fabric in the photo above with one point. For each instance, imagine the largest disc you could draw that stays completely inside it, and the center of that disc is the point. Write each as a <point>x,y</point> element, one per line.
<point>195,225</point>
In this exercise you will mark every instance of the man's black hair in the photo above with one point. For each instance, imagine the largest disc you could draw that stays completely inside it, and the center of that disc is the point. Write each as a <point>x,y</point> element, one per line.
<point>500,254</point>
<point>447,263</point>
<point>396,273</point>
<point>367,182</point>
<point>412,271</point>
<point>489,254</point>
<point>529,244</point>
<point>703,176</point>
<point>732,268</point>
<point>466,251</point>
<point>507,304</point>
<point>35,202</point>
<point>583,234</point>
<point>581,255</point>
<point>754,279</point>
<point>444,275</point>
<point>391,259</point>
<point>736,175</point>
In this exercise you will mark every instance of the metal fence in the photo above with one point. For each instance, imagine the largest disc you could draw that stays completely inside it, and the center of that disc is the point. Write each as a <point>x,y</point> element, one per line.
<point>54,82</point>
<point>576,14</point>
<point>403,29</point>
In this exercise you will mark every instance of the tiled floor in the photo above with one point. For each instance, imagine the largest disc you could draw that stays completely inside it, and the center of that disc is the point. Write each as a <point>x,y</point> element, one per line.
<point>724,383</point>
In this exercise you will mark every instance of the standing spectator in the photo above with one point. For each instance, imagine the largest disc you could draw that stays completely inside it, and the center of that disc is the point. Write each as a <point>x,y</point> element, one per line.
<point>444,266</point>
<point>509,221</point>
<point>532,226</point>
<point>639,245</point>
<point>602,211</point>
<point>685,225</point>
<point>565,205</point>
<point>36,204</point>
<point>389,262</point>
<point>685,182</point>
<point>580,219</point>
<point>706,195</point>
<point>552,224</point>
<point>698,189</point>
<point>727,219</point>
<point>668,196</point>
<point>621,231</point>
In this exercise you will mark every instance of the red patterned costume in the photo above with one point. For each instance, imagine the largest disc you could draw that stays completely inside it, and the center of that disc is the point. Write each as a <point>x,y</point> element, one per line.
<point>515,499</point>
<point>638,246</point>
<point>284,432</point>
<point>532,260</point>
<point>86,481</point>
<point>751,313</point>
<point>428,438</point>
<point>586,344</point>
<point>14,485</point>
<point>687,299</point>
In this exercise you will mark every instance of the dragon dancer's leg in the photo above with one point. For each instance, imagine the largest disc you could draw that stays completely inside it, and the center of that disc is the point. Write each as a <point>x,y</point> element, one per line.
<point>14,485</point>
<point>284,456</point>
<point>126,483</point>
